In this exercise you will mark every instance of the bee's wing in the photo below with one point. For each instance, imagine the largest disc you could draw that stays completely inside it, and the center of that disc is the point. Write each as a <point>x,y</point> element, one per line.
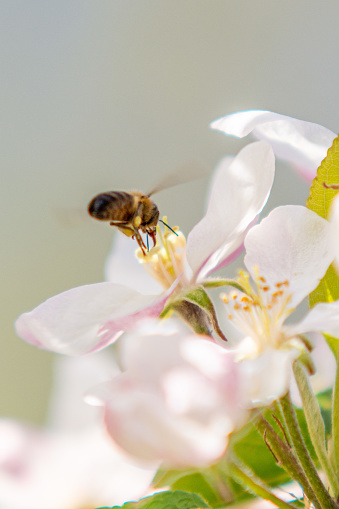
<point>70,217</point>
<point>191,170</point>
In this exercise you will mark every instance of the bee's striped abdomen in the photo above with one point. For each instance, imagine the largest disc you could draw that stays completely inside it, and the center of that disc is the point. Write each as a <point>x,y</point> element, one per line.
<point>112,206</point>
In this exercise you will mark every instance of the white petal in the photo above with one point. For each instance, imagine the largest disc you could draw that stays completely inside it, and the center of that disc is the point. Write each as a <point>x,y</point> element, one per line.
<point>291,244</point>
<point>324,317</point>
<point>70,322</point>
<point>142,425</point>
<point>226,255</point>
<point>268,376</point>
<point>304,144</point>
<point>122,267</point>
<point>178,399</point>
<point>241,189</point>
<point>142,307</point>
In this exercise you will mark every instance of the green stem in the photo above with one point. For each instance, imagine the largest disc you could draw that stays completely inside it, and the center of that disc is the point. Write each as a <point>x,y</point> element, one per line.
<point>322,495</point>
<point>315,424</point>
<point>286,459</point>
<point>218,282</point>
<point>249,481</point>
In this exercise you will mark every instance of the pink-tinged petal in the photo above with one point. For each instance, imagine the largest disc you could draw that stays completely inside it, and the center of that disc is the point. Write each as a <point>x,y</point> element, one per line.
<point>290,245</point>
<point>178,399</point>
<point>240,190</point>
<point>122,267</point>
<point>142,349</point>
<point>142,308</point>
<point>324,317</point>
<point>139,422</point>
<point>70,322</point>
<point>40,469</point>
<point>223,257</point>
<point>304,144</point>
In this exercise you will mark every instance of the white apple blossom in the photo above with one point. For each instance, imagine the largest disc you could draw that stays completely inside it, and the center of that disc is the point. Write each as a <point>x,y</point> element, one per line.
<point>301,143</point>
<point>72,463</point>
<point>40,469</point>
<point>90,317</point>
<point>178,399</point>
<point>287,255</point>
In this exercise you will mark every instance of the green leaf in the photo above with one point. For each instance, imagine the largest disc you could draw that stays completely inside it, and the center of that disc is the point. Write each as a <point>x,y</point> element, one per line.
<point>328,173</point>
<point>167,500</point>
<point>252,450</point>
<point>325,403</point>
<point>203,482</point>
<point>320,201</point>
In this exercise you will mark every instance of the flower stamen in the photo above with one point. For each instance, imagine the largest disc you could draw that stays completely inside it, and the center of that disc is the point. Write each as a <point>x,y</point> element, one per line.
<point>165,261</point>
<point>261,312</point>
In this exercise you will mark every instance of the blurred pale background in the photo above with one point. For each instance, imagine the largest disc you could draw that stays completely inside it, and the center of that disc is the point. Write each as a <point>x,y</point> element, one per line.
<point>101,95</point>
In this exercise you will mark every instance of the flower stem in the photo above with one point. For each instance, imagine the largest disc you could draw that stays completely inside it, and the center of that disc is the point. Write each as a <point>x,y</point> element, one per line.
<point>286,459</point>
<point>255,485</point>
<point>322,495</point>
<point>218,282</point>
<point>315,424</point>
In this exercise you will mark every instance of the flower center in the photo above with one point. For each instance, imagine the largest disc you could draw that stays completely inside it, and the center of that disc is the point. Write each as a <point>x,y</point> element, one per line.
<point>165,261</point>
<point>261,311</point>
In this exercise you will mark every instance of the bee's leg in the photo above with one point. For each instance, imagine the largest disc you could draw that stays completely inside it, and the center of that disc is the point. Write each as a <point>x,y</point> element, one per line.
<point>139,240</point>
<point>121,224</point>
<point>153,236</point>
<point>126,225</point>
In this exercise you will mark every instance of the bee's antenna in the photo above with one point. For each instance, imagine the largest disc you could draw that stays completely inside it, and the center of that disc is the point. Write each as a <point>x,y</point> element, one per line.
<point>163,222</point>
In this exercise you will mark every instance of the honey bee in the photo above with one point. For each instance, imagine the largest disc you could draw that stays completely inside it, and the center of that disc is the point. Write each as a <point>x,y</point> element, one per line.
<point>135,211</point>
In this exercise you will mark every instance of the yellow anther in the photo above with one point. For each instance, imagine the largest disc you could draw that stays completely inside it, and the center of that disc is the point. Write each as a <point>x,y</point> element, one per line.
<point>262,279</point>
<point>236,306</point>
<point>277,294</point>
<point>224,298</point>
<point>265,288</point>
<point>234,296</point>
<point>230,317</point>
<point>245,299</point>
<point>246,308</point>
<point>282,283</point>
<point>165,261</point>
